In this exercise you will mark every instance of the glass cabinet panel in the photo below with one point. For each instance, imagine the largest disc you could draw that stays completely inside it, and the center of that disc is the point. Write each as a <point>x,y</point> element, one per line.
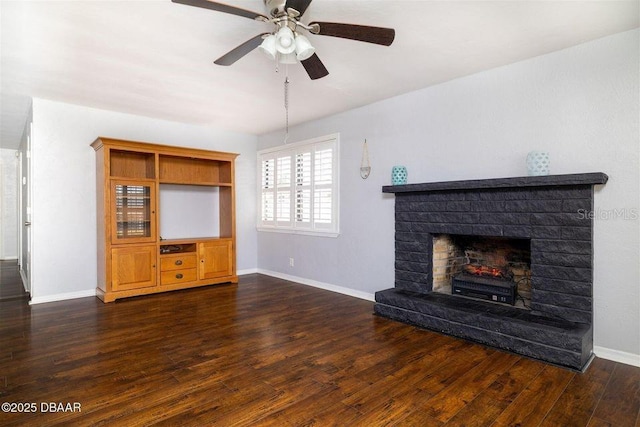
<point>134,212</point>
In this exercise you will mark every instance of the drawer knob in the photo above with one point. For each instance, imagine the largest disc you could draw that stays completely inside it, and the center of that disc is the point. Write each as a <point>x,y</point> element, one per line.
<point>179,276</point>
<point>179,262</point>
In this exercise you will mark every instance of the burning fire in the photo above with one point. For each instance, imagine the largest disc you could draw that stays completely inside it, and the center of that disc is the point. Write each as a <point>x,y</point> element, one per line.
<point>484,270</point>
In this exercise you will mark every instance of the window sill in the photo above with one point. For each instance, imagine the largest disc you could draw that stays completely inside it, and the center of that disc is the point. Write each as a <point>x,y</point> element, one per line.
<point>332,234</point>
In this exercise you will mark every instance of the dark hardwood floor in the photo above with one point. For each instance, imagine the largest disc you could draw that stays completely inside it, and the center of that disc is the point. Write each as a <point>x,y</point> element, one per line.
<point>268,352</point>
<point>10,283</point>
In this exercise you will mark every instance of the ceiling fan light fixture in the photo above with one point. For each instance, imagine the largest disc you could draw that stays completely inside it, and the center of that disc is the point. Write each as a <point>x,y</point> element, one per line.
<point>268,46</point>
<point>289,58</point>
<point>285,41</point>
<point>304,50</point>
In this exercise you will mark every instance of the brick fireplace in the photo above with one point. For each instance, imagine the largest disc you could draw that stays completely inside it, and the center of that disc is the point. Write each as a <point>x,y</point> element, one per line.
<point>525,231</point>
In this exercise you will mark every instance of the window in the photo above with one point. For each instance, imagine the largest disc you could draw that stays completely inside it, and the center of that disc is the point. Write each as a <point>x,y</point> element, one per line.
<point>299,188</point>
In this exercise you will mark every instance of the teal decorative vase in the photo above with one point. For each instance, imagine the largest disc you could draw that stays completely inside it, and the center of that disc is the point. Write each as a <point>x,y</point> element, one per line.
<point>538,163</point>
<point>398,175</point>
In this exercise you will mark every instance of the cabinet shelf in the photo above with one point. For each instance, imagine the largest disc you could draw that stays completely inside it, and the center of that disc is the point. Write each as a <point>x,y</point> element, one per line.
<point>191,240</point>
<point>200,183</point>
<point>121,177</point>
<point>171,248</point>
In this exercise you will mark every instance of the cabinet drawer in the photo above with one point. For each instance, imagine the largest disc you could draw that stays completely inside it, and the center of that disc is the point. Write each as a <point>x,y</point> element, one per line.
<point>178,276</point>
<point>177,262</point>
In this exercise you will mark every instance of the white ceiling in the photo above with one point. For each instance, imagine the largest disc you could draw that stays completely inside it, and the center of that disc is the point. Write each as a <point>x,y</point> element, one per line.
<point>155,58</point>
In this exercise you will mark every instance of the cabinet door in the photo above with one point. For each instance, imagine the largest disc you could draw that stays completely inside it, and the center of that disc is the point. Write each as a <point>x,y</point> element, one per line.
<point>133,267</point>
<point>216,259</point>
<point>133,212</point>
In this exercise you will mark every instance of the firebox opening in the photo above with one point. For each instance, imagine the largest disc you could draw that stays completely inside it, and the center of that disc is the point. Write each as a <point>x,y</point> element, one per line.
<point>495,269</point>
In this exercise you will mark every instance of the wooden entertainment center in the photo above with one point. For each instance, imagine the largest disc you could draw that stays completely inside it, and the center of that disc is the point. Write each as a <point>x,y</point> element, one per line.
<point>133,258</point>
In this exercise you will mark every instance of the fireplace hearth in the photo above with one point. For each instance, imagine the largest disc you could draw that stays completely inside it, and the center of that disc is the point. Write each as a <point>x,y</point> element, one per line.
<point>467,250</point>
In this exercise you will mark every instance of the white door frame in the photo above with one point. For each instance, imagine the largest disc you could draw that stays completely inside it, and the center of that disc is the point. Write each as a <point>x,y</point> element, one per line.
<point>25,211</point>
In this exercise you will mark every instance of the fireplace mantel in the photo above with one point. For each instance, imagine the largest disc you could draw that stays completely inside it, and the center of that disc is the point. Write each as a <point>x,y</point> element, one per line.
<point>549,212</point>
<point>592,178</point>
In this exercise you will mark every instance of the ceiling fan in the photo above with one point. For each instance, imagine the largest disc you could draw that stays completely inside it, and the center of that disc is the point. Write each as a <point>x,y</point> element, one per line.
<point>286,44</point>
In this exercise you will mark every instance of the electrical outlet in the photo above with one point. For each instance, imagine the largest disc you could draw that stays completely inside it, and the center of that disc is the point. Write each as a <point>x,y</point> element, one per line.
<point>290,262</point>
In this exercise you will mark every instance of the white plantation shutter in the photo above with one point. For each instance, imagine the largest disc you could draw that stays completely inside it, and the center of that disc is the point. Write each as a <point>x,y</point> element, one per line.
<point>303,189</point>
<point>323,186</point>
<point>299,187</point>
<point>268,186</point>
<point>283,192</point>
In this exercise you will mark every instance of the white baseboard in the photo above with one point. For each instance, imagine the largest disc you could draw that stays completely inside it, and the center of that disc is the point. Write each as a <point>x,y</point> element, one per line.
<point>247,271</point>
<point>62,297</point>
<point>9,258</point>
<point>326,286</point>
<point>617,356</point>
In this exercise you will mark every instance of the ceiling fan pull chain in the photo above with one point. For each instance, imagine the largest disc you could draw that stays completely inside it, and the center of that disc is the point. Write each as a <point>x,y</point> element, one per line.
<point>286,108</point>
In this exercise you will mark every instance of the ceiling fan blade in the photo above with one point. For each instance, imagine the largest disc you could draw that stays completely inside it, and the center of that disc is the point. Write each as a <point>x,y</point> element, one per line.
<point>314,67</point>
<point>363,33</point>
<point>240,51</point>
<point>299,5</point>
<point>221,7</point>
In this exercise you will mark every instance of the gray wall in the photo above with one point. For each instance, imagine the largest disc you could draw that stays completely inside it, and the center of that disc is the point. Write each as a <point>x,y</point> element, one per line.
<point>64,189</point>
<point>580,104</point>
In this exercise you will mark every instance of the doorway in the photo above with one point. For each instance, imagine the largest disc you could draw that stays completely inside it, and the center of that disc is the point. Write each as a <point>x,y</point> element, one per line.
<point>11,286</point>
